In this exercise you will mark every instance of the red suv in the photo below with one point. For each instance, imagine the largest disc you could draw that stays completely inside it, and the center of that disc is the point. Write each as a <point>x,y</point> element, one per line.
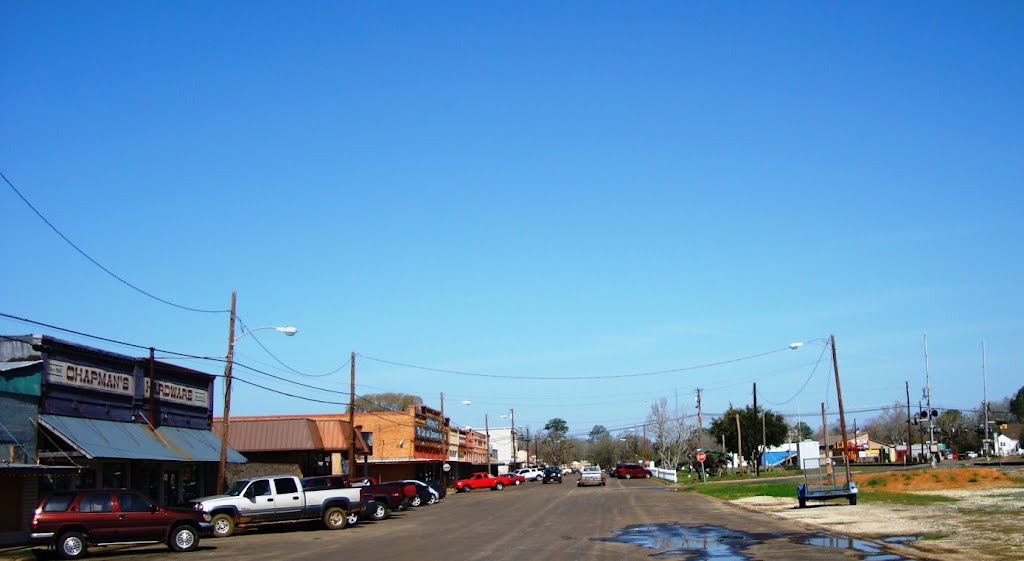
<point>71,521</point>
<point>629,471</point>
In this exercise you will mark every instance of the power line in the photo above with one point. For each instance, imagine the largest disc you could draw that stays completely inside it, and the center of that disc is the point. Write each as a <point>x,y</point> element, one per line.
<point>97,263</point>
<point>798,392</point>
<point>599,377</point>
<point>281,362</point>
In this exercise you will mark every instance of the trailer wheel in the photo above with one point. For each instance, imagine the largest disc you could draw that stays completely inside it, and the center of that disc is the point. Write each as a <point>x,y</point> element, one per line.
<point>803,502</point>
<point>853,500</point>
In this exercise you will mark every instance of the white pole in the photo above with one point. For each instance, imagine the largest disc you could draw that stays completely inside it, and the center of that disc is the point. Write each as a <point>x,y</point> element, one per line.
<point>984,381</point>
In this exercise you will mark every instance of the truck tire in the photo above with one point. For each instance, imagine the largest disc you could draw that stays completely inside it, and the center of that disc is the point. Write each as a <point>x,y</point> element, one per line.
<point>72,545</point>
<point>183,538</point>
<point>335,518</point>
<point>380,512</point>
<point>223,525</point>
<point>499,486</point>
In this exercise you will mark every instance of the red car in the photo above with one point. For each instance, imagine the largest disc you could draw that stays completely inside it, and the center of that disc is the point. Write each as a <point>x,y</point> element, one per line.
<point>512,478</point>
<point>479,481</point>
<point>71,521</point>
<point>629,471</point>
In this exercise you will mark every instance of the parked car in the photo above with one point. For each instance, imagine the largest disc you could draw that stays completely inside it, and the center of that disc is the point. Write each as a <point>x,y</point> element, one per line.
<point>531,474</point>
<point>379,499</point>
<point>629,471</point>
<point>479,480</point>
<point>425,494</point>
<point>514,478</point>
<point>73,521</point>
<point>970,455</point>
<point>552,474</point>
<point>591,475</point>
<point>278,498</point>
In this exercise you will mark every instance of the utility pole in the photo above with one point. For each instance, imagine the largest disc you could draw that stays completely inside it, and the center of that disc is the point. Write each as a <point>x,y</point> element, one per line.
<point>764,437</point>
<point>739,444</point>
<point>839,395</point>
<point>444,453</point>
<point>512,418</point>
<point>222,466</point>
<point>700,423</point>
<point>757,456</point>
<point>824,430</point>
<point>910,433</point>
<point>487,430</point>
<point>352,415</point>
<point>984,382</point>
<point>928,399</point>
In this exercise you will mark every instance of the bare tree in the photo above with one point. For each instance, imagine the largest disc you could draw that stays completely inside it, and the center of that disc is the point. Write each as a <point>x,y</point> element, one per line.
<point>671,434</point>
<point>890,426</point>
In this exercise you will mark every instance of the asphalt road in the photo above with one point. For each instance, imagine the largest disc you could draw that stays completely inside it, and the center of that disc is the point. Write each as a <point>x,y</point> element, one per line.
<point>634,519</point>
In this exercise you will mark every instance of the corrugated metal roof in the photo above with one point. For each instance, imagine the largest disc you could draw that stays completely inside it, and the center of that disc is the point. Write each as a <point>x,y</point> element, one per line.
<point>289,433</point>
<point>270,435</point>
<point>16,364</point>
<point>198,445</point>
<point>134,441</point>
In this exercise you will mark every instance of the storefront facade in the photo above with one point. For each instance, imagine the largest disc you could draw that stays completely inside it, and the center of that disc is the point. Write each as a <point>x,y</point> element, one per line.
<point>122,421</point>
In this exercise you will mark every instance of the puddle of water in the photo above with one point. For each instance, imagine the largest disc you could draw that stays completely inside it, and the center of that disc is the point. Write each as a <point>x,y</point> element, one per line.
<point>901,539</point>
<point>873,552</point>
<point>707,543</point>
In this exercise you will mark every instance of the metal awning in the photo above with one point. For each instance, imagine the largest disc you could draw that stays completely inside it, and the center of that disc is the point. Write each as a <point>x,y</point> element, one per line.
<point>96,438</point>
<point>36,469</point>
<point>197,445</point>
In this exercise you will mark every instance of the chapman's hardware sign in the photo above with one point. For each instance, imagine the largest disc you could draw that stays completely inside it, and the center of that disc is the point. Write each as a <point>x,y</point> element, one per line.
<point>176,393</point>
<point>90,378</point>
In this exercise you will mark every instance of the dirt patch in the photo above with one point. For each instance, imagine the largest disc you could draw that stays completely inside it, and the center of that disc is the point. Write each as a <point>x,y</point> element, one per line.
<point>983,524</point>
<point>931,480</point>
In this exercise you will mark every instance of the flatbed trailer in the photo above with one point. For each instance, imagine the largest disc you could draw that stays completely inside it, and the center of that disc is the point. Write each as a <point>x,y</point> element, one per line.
<point>821,484</point>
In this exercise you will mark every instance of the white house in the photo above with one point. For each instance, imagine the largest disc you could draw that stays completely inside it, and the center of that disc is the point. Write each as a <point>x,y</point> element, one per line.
<point>1006,446</point>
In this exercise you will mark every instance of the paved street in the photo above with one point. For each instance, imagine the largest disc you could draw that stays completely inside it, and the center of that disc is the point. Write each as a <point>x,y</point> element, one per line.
<point>537,522</point>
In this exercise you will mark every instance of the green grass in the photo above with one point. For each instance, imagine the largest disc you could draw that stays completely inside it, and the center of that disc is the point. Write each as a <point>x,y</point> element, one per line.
<point>787,489</point>
<point>747,489</point>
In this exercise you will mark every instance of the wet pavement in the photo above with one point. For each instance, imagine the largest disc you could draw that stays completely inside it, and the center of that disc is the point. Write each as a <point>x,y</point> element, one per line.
<point>715,543</point>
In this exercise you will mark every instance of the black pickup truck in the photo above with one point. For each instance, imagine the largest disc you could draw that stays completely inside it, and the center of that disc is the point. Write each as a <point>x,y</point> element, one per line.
<point>379,499</point>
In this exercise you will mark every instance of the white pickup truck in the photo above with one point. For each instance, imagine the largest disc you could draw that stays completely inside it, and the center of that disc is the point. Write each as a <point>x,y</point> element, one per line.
<point>278,498</point>
<point>591,475</point>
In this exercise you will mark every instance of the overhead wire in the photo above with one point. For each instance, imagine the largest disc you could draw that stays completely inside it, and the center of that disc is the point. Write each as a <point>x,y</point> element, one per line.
<point>97,263</point>
<point>281,362</point>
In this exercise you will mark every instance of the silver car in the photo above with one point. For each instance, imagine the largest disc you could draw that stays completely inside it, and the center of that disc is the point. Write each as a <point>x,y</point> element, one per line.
<point>591,475</point>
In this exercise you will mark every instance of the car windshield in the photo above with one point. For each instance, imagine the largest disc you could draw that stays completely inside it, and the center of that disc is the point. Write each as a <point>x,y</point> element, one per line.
<point>236,488</point>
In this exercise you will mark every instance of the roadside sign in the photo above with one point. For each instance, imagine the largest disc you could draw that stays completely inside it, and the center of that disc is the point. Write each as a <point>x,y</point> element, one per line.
<point>701,456</point>
<point>446,467</point>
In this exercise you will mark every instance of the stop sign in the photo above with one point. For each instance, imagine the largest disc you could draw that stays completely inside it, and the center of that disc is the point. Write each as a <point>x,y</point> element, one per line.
<point>701,456</point>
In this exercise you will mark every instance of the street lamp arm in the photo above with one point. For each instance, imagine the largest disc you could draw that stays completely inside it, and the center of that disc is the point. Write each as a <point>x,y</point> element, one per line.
<point>287,330</point>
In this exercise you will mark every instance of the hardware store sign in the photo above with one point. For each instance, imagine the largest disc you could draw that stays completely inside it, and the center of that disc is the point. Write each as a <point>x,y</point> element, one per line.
<point>90,378</point>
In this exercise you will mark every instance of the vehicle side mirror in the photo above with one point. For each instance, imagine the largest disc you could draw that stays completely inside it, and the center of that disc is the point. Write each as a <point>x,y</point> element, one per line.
<point>154,508</point>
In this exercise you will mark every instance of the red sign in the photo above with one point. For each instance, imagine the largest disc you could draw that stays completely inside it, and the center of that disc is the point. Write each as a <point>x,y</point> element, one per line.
<point>701,456</point>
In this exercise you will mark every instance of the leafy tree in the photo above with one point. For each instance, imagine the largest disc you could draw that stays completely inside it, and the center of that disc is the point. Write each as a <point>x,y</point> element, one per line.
<point>750,426</point>
<point>390,401</point>
<point>557,425</point>
<point>598,432</point>
<point>804,431</point>
<point>1017,405</point>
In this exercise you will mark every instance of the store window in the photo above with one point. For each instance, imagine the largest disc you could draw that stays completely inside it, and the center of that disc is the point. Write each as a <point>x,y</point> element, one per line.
<point>115,475</point>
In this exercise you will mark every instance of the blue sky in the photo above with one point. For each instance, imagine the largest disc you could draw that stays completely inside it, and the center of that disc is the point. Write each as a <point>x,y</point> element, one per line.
<point>528,190</point>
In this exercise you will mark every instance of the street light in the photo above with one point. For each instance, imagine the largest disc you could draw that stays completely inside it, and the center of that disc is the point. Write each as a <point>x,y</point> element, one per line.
<point>289,331</point>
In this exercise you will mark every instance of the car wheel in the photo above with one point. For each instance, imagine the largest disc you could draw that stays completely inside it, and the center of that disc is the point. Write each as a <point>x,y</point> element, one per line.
<point>379,513</point>
<point>647,476</point>
<point>223,525</point>
<point>627,476</point>
<point>183,538</point>
<point>432,500</point>
<point>416,501</point>
<point>71,545</point>
<point>517,482</point>
<point>467,489</point>
<point>352,519</point>
<point>498,486</point>
<point>335,518</point>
